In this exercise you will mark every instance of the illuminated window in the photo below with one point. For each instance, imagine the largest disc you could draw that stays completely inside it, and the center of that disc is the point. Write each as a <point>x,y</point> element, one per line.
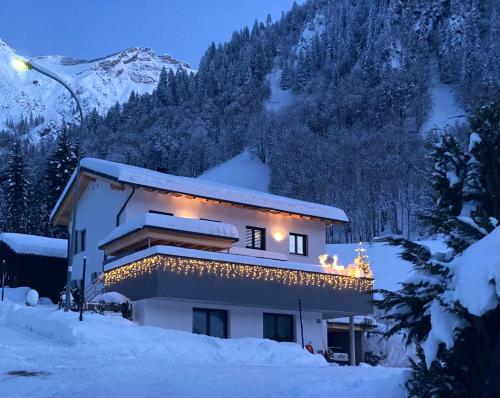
<point>298,244</point>
<point>210,322</point>
<point>255,238</point>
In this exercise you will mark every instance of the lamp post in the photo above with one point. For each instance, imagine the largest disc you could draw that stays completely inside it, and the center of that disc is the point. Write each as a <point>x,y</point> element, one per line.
<point>25,65</point>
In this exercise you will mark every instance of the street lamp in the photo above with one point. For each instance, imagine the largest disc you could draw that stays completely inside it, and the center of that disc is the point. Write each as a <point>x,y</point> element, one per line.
<point>25,65</point>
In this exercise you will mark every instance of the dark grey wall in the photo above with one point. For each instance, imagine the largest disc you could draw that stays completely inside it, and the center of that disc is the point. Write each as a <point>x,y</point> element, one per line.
<point>245,291</point>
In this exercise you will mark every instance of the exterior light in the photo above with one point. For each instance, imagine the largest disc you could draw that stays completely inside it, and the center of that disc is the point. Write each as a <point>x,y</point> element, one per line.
<point>278,236</point>
<point>20,65</point>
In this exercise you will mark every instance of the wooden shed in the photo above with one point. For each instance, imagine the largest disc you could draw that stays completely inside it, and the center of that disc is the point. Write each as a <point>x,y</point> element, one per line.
<point>34,261</point>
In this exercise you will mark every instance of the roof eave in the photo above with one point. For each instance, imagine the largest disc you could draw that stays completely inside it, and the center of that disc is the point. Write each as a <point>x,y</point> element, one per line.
<point>69,187</point>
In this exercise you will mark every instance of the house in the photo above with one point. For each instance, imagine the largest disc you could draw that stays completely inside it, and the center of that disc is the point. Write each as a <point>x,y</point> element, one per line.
<point>209,258</point>
<point>34,261</point>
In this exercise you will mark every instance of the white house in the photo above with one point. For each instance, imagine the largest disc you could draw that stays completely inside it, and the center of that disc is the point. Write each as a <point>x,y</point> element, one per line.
<point>209,258</point>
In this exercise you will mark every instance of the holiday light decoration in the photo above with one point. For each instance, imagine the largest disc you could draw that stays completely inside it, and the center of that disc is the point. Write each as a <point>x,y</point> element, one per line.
<point>360,268</point>
<point>201,267</point>
<point>332,267</point>
<point>362,262</point>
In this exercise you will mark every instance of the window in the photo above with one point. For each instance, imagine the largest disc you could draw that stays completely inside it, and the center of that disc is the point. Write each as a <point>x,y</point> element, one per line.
<point>160,212</point>
<point>83,240</point>
<point>256,238</point>
<point>278,327</point>
<point>210,322</point>
<point>80,241</point>
<point>298,244</point>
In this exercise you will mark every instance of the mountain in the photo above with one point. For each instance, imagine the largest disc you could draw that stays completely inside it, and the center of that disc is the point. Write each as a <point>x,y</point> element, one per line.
<point>99,83</point>
<point>337,98</point>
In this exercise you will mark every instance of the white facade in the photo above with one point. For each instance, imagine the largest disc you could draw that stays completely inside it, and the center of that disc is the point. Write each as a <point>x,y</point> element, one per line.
<point>100,204</point>
<point>242,321</point>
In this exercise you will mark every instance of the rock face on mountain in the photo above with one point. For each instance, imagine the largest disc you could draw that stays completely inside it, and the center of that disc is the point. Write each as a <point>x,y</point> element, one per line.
<point>100,83</point>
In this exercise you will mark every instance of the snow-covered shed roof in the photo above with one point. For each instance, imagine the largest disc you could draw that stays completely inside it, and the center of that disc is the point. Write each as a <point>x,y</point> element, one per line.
<point>172,223</point>
<point>33,244</point>
<point>138,176</point>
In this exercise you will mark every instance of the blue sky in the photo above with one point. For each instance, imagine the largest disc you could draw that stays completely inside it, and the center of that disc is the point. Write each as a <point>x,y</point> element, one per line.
<point>93,28</point>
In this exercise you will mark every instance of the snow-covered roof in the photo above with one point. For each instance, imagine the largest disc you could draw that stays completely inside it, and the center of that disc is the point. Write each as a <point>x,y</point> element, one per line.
<point>33,244</point>
<point>215,256</point>
<point>138,176</point>
<point>172,223</point>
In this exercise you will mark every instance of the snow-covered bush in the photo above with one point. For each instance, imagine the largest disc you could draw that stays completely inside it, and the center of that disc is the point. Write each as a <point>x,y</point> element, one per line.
<point>32,298</point>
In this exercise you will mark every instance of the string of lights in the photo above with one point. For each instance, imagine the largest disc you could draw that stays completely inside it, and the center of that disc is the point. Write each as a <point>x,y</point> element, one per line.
<point>219,269</point>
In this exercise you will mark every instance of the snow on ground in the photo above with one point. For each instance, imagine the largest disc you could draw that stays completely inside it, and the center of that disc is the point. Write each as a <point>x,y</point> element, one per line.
<point>244,170</point>
<point>445,110</point>
<point>279,98</point>
<point>110,357</point>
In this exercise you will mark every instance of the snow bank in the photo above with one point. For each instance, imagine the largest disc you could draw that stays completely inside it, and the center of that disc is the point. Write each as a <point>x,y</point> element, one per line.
<point>392,351</point>
<point>33,244</point>
<point>120,337</point>
<point>244,170</point>
<point>206,189</point>
<point>172,223</point>
<point>21,295</point>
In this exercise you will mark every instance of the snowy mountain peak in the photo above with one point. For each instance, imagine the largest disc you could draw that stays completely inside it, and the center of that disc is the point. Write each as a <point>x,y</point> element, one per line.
<point>99,83</point>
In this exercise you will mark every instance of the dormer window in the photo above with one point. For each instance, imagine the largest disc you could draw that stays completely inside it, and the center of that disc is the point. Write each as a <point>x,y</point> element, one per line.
<point>255,238</point>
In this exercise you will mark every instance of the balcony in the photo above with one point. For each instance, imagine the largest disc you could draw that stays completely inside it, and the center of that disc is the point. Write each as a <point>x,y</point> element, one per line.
<point>181,273</point>
<point>149,229</point>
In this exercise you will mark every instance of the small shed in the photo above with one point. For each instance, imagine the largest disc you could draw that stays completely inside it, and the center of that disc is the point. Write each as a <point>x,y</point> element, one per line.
<point>35,261</point>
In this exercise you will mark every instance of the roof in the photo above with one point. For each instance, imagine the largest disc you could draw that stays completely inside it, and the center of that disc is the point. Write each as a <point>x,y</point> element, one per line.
<point>137,176</point>
<point>172,223</point>
<point>36,245</point>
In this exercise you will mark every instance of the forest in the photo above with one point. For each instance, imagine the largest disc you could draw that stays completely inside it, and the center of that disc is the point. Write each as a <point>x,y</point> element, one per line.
<point>358,73</point>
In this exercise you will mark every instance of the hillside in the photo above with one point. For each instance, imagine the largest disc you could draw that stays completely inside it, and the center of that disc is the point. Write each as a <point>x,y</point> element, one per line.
<point>244,170</point>
<point>339,99</point>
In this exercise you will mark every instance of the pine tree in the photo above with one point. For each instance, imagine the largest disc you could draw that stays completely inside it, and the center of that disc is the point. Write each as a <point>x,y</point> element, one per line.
<point>60,166</point>
<point>466,209</point>
<point>15,191</point>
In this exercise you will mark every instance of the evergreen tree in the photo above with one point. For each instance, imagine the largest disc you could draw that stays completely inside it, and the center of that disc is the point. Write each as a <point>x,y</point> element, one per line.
<point>15,191</point>
<point>466,191</point>
<point>60,167</point>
